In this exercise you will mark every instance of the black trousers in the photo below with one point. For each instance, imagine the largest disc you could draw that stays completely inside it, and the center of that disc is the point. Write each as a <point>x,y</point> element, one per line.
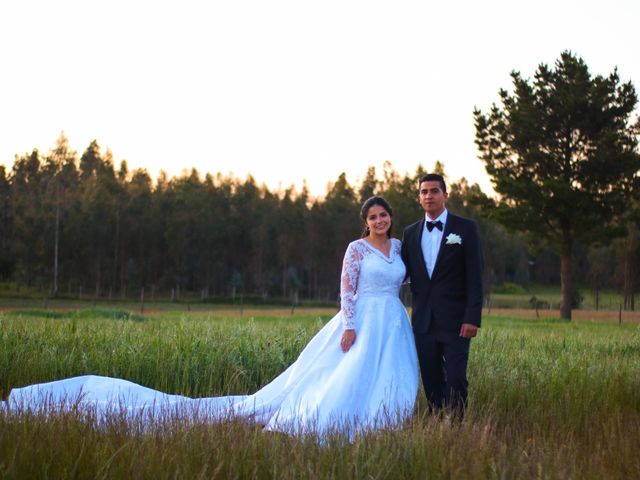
<point>443,358</point>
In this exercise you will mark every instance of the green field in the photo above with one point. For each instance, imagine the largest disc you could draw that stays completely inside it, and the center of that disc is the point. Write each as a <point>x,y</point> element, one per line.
<point>548,399</point>
<point>509,295</point>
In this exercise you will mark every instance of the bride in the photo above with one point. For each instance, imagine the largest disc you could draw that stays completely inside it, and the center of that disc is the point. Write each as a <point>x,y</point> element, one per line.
<point>360,371</point>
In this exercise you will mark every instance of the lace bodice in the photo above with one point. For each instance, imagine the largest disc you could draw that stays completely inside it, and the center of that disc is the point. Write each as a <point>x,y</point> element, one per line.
<point>367,271</point>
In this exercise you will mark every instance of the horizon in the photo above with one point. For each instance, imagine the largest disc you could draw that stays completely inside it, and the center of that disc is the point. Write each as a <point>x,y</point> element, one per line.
<point>278,190</point>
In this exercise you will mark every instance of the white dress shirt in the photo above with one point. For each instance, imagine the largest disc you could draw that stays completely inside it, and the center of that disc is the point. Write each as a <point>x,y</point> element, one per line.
<point>431,241</point>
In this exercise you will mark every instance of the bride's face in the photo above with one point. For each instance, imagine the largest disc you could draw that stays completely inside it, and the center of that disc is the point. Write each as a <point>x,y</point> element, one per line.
<point>378,220</point>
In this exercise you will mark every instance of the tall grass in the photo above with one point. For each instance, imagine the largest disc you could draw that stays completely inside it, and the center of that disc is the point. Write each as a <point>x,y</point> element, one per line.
<point>195,356</point>
<point>520,297</point>
<point>548,399</point>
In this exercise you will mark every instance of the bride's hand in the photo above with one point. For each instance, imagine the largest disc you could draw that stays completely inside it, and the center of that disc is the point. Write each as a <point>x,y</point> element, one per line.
<point>348,339</point>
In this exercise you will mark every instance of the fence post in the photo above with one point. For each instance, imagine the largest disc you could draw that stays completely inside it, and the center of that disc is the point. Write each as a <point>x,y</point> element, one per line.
<point>620,315</point>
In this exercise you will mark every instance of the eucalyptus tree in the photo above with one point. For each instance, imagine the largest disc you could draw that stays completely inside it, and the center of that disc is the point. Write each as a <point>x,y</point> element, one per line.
<point>137,230</point>
<point>7,258</point>
<point>334,223</point>
<point>291,234</point>
<point>627,258</point>
<point>402,194</point>
<point>61,183</point>
<point>369,186</point>
<point>28,240</point>
<point>211,232</point>
<point>246,212</point>
<point>99,194</point>
<point>185,210</point>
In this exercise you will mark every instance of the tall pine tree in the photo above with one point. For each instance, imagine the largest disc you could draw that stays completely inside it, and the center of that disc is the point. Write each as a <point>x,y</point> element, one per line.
<point>562,153</point>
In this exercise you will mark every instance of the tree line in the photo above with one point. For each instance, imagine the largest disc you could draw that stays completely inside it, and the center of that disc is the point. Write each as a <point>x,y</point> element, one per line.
<point>82,227</point>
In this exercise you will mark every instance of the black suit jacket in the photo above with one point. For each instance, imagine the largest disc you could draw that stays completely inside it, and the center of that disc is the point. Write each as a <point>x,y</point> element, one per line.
<point>453,295</point>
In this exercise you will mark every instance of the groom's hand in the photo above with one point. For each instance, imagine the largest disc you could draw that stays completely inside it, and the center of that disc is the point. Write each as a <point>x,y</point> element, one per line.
<point>468,330</point>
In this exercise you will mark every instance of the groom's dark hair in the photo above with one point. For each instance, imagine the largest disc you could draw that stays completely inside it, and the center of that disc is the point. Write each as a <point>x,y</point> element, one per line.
<point>433,177</point>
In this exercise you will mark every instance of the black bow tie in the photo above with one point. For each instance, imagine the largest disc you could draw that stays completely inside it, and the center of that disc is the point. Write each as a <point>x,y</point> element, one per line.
<point>437,225</point>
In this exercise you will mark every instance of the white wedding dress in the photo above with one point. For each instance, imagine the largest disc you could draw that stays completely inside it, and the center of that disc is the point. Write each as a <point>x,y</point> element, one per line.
<point>373,385</point>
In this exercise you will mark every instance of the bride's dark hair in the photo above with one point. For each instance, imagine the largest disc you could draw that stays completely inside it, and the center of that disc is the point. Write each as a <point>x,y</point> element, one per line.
<point>370,202</point>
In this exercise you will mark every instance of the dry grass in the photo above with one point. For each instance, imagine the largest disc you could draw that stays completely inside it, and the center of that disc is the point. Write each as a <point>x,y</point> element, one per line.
<point>548,399</point>
<point>600,316</point>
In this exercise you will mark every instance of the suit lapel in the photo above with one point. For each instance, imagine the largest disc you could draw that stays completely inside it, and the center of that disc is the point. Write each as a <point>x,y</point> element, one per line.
<point>420,253</point>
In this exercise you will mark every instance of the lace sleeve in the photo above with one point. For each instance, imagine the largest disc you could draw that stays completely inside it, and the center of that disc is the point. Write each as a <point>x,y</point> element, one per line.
<point>349,285</point>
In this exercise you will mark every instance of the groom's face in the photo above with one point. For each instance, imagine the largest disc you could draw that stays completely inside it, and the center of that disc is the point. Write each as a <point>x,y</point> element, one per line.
<point>432,198</point>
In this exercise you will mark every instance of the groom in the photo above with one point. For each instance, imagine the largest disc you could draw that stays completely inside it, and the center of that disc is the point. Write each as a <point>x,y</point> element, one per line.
<point>444,263</point>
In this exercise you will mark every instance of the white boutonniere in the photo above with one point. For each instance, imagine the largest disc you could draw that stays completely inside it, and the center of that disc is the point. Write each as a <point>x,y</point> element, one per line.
<point>452,239</point>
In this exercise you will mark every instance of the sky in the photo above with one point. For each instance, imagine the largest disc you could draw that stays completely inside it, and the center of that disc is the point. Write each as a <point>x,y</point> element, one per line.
<point>288,91</point>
